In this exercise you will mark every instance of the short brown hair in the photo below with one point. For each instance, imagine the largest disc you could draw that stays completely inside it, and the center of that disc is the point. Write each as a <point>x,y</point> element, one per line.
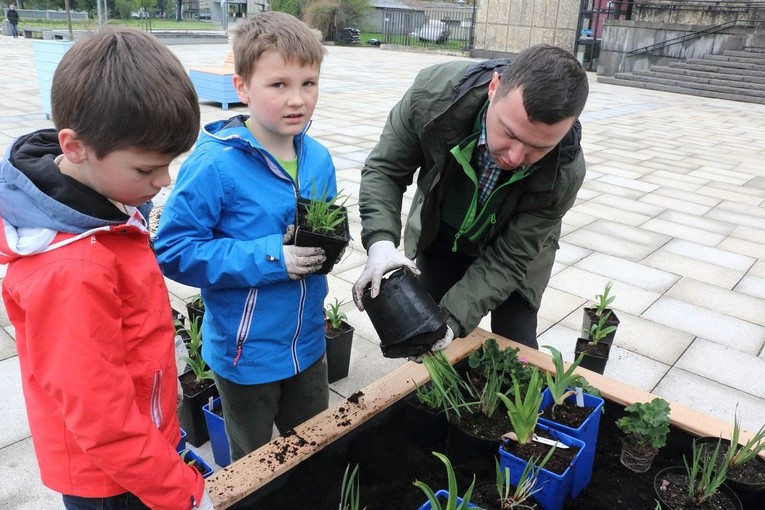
<point>554,83</point>
<point>122,88</point>
<point>276,31</point>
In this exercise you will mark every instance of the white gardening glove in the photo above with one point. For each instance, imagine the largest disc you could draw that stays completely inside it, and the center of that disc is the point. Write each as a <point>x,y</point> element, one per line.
<point>300,260</point>
<point>382,258</point>
<point>206,503</point>
<point>440,345</point>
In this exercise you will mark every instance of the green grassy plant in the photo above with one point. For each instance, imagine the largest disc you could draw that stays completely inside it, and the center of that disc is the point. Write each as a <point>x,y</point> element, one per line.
<point>323,215</point>
<point>333,314</point>
<point>447,389</point>
<point>705,474</point>
<point>451,503</point>
<point>194,359</point>
<point>523,410</point>
<point>350,497</point>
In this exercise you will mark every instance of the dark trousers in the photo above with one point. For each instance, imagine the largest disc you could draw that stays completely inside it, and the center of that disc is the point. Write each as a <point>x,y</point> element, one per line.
<point>441,268</point>
<point>126,501</point>
<point>252,410</point>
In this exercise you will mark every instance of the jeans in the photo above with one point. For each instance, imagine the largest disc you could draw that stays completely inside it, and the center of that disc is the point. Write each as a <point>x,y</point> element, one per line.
<point>14,30</point>
<point>126,501</point>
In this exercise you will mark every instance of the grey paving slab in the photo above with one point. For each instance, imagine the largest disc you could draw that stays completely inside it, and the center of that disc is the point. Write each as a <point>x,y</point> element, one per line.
<point>753,249</point>
<point>7,345</point>
<point>725,365</point>
<point>587,285</point>
<point>703,322</point>
<point>712,398</point>
<point>650,339</point>
<point>634,273</point>
<point>633,368</point>
<point>716,256</point>
<point>21,487</point>
<point>14,425</point>
<point>675,204</point>
<point>676,230</point>
<point>731,303</point>
<point>752,286</point>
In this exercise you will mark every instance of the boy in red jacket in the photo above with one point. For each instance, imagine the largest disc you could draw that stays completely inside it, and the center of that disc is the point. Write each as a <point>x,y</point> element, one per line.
<point>83,290</point>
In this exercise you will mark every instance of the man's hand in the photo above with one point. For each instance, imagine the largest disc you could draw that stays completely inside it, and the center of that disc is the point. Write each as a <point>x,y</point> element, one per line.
<point>440,345</point>
<point>206,503</point>
<point>382,258</point>
<point>300,260</point>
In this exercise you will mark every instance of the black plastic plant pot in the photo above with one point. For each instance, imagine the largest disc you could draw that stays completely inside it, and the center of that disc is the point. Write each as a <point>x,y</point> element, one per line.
<point>404,315</point>
<point>333,244</point>
<point>595,357</point>
<point>191,415</point>
<point>747,481</point>
<point>590,318</point>
<point>673,481</point>
<point>196,312</point>
<point>427,426</point>
<point>339,344</point>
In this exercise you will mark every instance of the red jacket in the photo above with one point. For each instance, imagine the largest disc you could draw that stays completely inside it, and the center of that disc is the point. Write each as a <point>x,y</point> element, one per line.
<point>95,342</point>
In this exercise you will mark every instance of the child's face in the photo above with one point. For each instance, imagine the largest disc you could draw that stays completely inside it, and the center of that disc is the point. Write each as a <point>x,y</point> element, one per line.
<point>129,176</point>
<point>281,97</point>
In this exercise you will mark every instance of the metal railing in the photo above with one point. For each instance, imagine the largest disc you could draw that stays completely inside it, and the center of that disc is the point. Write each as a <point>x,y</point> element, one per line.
<point>696,35</point>
<point>450,29</point>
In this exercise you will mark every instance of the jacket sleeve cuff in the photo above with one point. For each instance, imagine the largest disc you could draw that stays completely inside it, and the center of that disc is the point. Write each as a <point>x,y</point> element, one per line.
<point>381,236</point>
<point>455,326</point>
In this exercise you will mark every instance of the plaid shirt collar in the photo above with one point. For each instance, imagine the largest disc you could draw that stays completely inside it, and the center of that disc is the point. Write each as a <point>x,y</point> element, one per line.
<point>489,171</point>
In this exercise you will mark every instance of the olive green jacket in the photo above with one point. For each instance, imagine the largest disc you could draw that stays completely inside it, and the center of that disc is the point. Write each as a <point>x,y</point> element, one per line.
<point>518,250</point>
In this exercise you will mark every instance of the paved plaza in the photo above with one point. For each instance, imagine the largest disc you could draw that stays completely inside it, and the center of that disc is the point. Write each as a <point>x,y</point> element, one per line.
<point>672,211</point>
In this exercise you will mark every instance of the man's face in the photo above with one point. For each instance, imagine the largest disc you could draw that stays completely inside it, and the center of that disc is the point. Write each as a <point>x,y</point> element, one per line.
<point>514,140</point>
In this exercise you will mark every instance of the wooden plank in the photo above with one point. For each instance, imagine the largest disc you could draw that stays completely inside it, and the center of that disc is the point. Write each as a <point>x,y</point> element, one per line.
<point>245,476</point>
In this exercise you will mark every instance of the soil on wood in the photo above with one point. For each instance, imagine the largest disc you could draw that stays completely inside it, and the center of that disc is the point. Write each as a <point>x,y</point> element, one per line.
<point>394,449</point>
<point>674,492</point>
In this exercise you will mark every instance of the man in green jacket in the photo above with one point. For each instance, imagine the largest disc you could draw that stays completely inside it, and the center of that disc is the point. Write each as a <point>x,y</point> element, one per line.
<point>499,159</point>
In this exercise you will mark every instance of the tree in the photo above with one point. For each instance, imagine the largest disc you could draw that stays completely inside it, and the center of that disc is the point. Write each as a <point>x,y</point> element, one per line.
<point>329,16</point>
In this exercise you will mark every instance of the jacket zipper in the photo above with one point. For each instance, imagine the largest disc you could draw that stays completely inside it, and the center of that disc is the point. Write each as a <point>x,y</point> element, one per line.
<point>155,402</point>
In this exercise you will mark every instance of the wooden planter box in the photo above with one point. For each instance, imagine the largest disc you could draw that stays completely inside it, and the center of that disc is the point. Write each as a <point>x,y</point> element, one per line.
<point>247,475</point>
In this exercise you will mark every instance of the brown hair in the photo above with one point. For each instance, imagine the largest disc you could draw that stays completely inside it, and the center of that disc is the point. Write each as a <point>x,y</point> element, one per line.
<point>123,88</point>
<point>554,83</point>
<point>275,31</point>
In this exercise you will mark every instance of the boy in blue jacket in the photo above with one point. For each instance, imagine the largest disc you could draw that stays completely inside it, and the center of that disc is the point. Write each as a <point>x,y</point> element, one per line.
<point>226,228</point>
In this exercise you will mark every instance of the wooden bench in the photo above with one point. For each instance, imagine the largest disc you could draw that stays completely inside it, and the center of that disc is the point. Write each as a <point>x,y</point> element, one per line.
<point>215,83</point>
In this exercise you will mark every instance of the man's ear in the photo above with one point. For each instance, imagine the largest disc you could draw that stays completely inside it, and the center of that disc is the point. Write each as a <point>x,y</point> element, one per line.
<point>493,85</point>
<point>73,148</point>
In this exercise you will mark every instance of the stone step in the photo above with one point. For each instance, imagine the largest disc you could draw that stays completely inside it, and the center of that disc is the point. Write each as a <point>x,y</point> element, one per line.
<point>754,49</point>
<point>725,60</point>
<point>745,54</point>
<point>716,69</point>
<point>681,90</point>
<point>674,82</point>
<point>733,80</point>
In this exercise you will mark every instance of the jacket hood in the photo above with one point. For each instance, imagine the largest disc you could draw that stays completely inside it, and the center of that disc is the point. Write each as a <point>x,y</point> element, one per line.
<point>37,200</point>
<point>234,132</point>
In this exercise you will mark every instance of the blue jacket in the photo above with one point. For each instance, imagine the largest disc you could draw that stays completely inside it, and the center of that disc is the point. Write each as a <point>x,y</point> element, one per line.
<point>221,230</point>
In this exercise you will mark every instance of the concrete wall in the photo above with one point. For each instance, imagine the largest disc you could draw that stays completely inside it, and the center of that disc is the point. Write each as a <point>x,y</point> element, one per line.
<point>621,37</point>
<point>505,27</point>
<point>675,12</point>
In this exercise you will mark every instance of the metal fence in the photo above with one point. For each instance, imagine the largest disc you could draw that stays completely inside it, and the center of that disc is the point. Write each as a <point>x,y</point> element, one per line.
<point>438,28</point>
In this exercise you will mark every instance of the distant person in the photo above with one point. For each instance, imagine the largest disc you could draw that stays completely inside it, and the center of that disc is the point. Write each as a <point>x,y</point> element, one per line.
<point>13,19</point>
<point>499,159</point>
<point>227,229</point>
<point>94,329</point>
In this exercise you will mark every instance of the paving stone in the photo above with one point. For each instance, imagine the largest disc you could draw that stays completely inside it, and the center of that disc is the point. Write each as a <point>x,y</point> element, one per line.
<point>706,323</point>
<point>725,365</point>
<point>586,285</point>
<point>712,398</point>
<point>636,274</point>
<point>730,303</point>
<point>606,187</point>
<point>184,292</point>
<point>697,235</point>
<point>649,339</point>
<point>675,204</point>
<point>629,183</point>
<point>7,345</point>
<point>739,214</point>
<point>753,286</point>
<point>598,210</point>
<point>694,268</point>
<point>720,257</point>
<point>753,249</point>
<point>569,254</point>
<point>632,368</point>
<point>724,194</point>
<point>557,304</point>
<point>21,487</point>
<point>13,420</point>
